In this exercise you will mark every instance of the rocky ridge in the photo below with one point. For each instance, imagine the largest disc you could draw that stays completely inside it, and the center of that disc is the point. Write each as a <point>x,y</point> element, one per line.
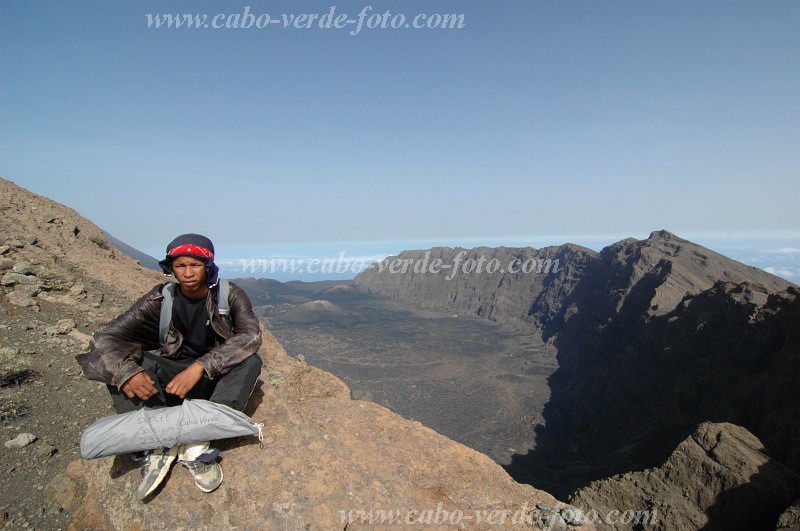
<point>59,281</point>
<point>60,247</point>
<point>656,273</point>
<point>716,475</point>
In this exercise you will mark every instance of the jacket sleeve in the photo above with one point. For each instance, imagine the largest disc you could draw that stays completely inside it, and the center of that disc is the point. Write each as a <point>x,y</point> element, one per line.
<point>116,351</point>
<point>243,343</point>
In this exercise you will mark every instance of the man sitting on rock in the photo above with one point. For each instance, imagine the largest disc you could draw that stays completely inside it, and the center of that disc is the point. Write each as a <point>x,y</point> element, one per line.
<point>201,356</point>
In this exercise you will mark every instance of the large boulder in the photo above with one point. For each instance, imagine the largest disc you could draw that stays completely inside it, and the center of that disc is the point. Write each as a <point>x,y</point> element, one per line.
<point>326,461</point>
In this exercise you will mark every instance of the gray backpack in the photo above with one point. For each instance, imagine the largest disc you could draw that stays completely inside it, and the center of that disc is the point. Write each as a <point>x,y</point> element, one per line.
<point>168,291</point>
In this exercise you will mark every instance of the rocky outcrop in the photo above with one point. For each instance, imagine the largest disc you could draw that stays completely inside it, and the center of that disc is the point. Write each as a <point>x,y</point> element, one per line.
<point>327,463</point>
<point>717,478</point>
<point>790,519</point>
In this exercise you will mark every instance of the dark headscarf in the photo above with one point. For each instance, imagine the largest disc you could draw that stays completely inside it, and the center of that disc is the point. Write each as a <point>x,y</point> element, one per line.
<point>192,245</point>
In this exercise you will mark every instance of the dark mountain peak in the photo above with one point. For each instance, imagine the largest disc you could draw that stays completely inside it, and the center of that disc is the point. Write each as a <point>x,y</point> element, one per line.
<point>652,276</point>
<point>570,249</point>
<point>664,235</point>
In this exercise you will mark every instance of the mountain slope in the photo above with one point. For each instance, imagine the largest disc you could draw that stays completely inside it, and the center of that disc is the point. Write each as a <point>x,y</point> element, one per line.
<point>67,242</point>
<point>144,259</point>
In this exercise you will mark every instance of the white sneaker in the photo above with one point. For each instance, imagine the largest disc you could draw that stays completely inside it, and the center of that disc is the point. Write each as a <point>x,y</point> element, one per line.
<point>155,467</point>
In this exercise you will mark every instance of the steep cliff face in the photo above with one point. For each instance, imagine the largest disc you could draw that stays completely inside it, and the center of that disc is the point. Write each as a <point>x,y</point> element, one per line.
<point>522,287</point>
<point>625,396</point>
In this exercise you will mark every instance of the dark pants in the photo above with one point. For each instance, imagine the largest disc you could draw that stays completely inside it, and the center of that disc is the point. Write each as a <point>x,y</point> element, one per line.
<point>232,389</point>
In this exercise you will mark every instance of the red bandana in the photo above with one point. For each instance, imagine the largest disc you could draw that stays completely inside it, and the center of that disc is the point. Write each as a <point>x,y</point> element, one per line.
<point>191,249</point>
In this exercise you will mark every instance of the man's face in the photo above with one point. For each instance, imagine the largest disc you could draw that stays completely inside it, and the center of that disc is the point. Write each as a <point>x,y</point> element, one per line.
<point>190,272</point>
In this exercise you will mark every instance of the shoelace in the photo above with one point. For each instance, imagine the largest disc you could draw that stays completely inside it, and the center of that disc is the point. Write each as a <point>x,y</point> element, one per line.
<point>196,466</point>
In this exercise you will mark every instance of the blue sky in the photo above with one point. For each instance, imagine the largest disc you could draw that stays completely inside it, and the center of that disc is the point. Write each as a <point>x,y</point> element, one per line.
<point>533,121</point>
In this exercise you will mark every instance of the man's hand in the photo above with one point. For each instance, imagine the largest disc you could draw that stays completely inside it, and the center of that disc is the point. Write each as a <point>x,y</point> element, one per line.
<point>141,385</point>
<point>185,380</point>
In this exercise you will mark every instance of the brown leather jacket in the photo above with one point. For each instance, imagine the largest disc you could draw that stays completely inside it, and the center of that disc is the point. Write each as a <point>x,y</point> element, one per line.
<point>117,348</point>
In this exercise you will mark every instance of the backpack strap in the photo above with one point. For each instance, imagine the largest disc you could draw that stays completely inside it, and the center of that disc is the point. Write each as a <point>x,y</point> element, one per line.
<point>165,318</point>
<point>223,306</point>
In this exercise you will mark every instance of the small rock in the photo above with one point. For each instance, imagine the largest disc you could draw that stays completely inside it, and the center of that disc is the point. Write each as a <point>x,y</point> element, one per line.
<point>9,279</point>
<point>30,290</point>
<point>573,516</point>
<point>45,451</point>
<point>6,263</point>
<point>84,340</point>
<point>49,219</point>
<point>9,353</point>
<point>554,521</point>
<point>24,268</point>
<point>95,305</point>
<point>544,506</point>
<point>18,298</point>
<point>77,289</point>
<point>276,380</point>
<point>31,240</point>
<point>12,277</point>
<point>15,243</point>
<point>21,440</point>
<point>51,331</point>
<point>65,325</point>
<point>4,249</point>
